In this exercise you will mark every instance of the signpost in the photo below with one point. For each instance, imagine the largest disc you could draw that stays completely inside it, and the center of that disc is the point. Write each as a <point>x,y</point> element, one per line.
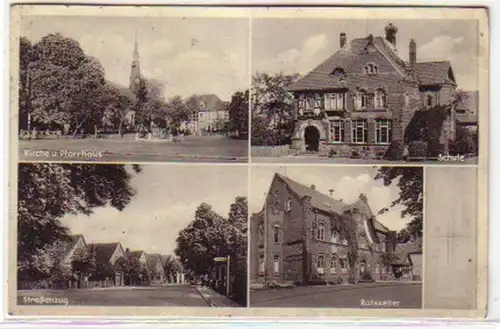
<point>228,263</point>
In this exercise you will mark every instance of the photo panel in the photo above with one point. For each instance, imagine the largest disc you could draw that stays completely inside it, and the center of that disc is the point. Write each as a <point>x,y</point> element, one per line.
<point>336,237</point>
<point>100,84</point>
<point>119,235</point>
<point>364,90</point>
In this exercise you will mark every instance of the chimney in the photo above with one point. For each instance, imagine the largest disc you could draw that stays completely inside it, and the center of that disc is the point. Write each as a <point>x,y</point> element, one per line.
<point>331,192</point>
<point>343,39</point>
<point>313,187</point>
<point>413,58</point>
<point>390,33</point>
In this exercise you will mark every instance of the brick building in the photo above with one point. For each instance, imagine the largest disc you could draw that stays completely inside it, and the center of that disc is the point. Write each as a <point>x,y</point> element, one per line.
<point>304,236</point>
<point>364,96</point>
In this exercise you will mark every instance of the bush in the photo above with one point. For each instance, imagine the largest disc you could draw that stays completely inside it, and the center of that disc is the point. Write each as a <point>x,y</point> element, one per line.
<point>336,281</point>
<point>354,154</point>
<point>367,276</point>
<point>417,149</point>
<point>395,151</point>
<point>465,142</point>
<point>332,153</point>
<point>434,148</point>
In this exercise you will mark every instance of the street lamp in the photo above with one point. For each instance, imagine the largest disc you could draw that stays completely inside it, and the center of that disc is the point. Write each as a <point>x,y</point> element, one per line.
<point>228,262</point>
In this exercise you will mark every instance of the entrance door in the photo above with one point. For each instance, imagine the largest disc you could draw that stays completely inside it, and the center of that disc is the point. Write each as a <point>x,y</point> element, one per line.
<point>311,136</point>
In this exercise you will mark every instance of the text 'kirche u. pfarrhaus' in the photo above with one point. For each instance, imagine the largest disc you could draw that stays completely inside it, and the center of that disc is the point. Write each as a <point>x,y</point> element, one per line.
<point>365,95</point>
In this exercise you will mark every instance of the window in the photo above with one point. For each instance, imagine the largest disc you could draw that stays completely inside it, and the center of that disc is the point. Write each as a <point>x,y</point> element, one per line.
<point>309,102</point>
<point>288,205</point>
<point>383,270</point>
<point>383,247</point>
<point>362,244</point>
<point>301,102</point>
<point>383,132</point>
<point>407,100</point>
<point>333,265</point>
<point>261,265</point>
<point>320,264</point>
<point>370,69</point>
<point>335,101</point>
<point>337,131</point>
<point>377,269</point>
<point>343,265</point>
<point>321,231</point>
<point>359,131</point>
<point>428,100</point>
<point>334,237</point>
<point>318,101</point>
<point>361,101</point>
<point>276,264</point>
<point>380,99</point>
<point>276,234</point>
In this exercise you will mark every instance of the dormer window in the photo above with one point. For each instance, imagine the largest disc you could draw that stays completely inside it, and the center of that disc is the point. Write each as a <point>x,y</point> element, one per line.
<point>338,72</point>
<point>370,69</point>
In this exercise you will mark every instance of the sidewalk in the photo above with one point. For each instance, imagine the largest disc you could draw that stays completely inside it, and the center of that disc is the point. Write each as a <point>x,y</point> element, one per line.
<point>215,299</point>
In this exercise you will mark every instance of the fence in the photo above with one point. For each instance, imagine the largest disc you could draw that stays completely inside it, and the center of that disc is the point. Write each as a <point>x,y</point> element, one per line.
<point>270,151</point>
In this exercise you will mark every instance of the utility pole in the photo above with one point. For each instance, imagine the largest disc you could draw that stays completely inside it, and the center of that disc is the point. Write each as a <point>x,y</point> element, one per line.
<point>228,277</point>
<point>265,240</point>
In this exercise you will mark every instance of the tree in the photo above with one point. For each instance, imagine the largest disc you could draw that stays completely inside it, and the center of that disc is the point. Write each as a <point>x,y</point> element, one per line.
<point>171,266</point>
<point>270,97</point>
<point>238,112</point>
<point>208,236</point>
<point>177,111</point>
<point>60,85</point>
<point>83,262</point>
<point>409,180</point>
<point>48,191</point>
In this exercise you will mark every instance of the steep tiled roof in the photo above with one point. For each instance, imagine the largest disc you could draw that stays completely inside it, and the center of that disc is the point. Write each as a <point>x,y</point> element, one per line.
<point>153,259</point>
<point>72,242</point>
<point>137,253</point>
<point>431,73</point>
<point>211,102</point>
<point>402,250</point>
<point>103,251</point>
<point>322,201</point>
<point>321,78</point>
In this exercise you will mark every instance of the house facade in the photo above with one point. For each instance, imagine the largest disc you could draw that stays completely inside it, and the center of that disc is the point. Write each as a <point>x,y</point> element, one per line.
<point>306,237</point>
<point>155,264</point>
<point>108,254</point>
<point>210,114</point>
<point>363,97</point>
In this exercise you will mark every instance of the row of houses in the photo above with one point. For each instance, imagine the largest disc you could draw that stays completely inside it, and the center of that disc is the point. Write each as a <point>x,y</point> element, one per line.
<point>114,265</point>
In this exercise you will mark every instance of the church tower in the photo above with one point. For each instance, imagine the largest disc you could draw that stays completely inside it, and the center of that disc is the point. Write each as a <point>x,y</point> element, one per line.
<point>135,71</point>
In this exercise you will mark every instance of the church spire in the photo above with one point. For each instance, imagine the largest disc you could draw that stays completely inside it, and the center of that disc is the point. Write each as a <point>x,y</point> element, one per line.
<point>135,71</point>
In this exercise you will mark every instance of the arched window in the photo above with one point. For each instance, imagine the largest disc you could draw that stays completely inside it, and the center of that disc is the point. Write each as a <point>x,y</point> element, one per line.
<point>276,233</point>
<point>320,264</point>
<point>338,72</point>
<point>333,265</point>
<point>361,101</point>
<point>276,264</point>
<point>288,205</point>
<point>335,237</point>
<point>407,100</point>
<point>380,99</point>
<point>343,265</point>
<point>377,268</point>
<point>321,232</point>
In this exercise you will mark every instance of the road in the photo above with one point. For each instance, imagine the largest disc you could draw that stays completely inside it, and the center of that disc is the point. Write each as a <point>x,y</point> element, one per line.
<point>402,295</point>
<point>192,149</point>
<point>179,295</point>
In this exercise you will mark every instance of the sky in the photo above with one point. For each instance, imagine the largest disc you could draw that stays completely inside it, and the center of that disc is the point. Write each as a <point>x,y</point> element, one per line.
<point>347,182</point>
<point>299,45</point>
<point>165,203</point>
<point>187,54</point>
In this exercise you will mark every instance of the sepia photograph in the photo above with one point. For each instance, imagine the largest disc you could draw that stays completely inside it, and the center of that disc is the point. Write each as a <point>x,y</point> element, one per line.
<point>131,235</point>
<point>137,89</point>
<point>364,91</point>
<point>344,237</point>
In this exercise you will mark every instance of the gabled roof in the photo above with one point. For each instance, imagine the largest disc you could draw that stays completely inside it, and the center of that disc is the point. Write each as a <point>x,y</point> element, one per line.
<point>321,77</point>
<point>323,202</point>
<point>433,73</point>
<point>72,242</point>
<point>211,102</point>
<point>403,250</point>
<point>153,259</point>
<point>136,253</point>
<point>103,251</point>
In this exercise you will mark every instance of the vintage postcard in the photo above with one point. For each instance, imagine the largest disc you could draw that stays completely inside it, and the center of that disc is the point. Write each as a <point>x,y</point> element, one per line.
<point>248,161</point>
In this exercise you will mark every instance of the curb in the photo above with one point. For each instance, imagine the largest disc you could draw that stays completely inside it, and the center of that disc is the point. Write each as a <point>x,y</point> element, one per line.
<point>205,298</point>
